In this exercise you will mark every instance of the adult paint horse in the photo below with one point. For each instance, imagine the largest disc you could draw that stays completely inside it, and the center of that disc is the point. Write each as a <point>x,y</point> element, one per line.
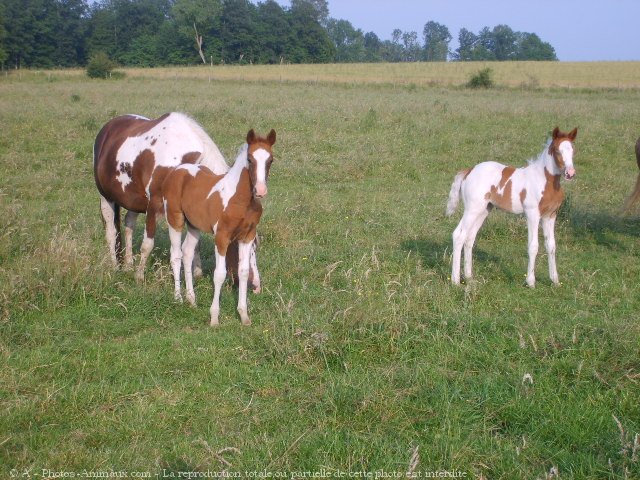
<point>533,190</point>
<point>226,205</point>
<point>132,155</point>
<point>635,195</point>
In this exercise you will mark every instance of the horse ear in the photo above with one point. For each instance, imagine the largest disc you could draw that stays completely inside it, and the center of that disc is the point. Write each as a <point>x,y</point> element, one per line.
<point>251,136</point>
<point>271,138</point>
<point>555,133</point>
<point>573,134</point>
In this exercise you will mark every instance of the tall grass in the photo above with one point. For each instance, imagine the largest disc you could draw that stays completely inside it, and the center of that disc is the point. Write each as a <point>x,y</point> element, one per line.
<point>590,75</point>
<point>362,356</point>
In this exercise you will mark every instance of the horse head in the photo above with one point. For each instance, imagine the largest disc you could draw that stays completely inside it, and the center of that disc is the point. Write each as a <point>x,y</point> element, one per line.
<point>561,149</point>
<point>259,157</point>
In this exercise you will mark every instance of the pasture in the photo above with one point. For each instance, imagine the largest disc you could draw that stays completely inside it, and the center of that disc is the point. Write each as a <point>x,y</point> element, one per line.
<point>362,356</point>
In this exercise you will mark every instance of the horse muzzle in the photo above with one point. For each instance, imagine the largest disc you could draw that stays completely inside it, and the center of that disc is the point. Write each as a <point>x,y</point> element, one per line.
<point>569,173</point>
<point>260,190</point>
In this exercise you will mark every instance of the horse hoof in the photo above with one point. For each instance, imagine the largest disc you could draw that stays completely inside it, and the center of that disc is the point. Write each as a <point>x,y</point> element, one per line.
<point>214,323</point>
<point>246,321</point>
<point>197,273</point>
<point>191,300</point>
<point>139,276</point>
<point>256,289</point>
<point>178,298</point>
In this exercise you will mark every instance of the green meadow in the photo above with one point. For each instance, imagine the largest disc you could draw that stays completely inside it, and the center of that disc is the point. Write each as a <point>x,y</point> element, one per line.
<point>362,360</point>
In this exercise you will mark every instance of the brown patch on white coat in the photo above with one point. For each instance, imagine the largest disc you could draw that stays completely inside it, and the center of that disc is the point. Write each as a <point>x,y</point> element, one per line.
<point>226,205</point>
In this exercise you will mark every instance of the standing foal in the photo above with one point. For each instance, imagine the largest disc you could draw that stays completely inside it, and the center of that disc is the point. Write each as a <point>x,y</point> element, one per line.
<point>226,205</point>
<point>533,190</point>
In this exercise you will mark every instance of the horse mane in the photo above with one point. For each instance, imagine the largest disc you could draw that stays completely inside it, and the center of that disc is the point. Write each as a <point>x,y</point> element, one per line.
<point>542,155</point>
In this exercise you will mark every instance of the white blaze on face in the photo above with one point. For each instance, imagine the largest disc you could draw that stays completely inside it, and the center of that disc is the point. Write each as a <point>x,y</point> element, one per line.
<point>566,149</point>
<point>261,156</point>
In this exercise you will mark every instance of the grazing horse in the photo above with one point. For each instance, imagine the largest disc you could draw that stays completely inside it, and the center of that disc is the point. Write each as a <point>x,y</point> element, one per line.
<point>533,190</point>
<point>226,205</point>
<point>635,195</point>
<point>131,156</point>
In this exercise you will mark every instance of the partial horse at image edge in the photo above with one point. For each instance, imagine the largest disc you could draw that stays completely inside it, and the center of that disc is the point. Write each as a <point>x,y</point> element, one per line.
<point>635,194</point>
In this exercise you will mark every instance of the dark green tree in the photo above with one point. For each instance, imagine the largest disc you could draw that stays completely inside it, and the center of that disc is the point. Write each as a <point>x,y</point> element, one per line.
<point>372,47</point>
<point>530,47</point>
<point>411,47</point>
<point>436,42</point>
<point>237,31</point>
<point>504,43</point>
<point>467,41</point>
<point>71,32</point>
<point>348,41</point>
<point>312,43</point>
<point>3,37</point>
<point>320,9</point>
<point>274,33</point>
<point>196,21</point>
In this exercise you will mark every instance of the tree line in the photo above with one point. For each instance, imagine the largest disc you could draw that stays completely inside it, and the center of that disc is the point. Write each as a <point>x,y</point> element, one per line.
<point>65,33</point>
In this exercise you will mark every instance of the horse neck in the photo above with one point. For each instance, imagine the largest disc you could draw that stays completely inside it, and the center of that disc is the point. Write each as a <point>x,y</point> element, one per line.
<point>234,179</point>
<point>545,161</point>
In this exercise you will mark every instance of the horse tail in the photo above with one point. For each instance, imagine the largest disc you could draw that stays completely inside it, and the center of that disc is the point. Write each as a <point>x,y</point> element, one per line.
<point>635,195</point>
<point>454,194</point>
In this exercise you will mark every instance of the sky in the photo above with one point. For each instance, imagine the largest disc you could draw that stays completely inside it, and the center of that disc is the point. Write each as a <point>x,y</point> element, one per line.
<point>579,30</point>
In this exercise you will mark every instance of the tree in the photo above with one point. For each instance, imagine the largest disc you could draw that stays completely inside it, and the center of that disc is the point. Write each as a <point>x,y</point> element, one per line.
<point>504,42</point>
<point>312,43</point>
<point>467,43</point>
<point>195,20</point>
<point>319,7</point>
<point>237,27</point>
<point>71,32</point>
<point>530,47</point>
<point>3,35</point>
<point>436,42</point>
<point>372,47</point>
<point>348,41</point>
<point>273,31</point>
<point>411,47</point>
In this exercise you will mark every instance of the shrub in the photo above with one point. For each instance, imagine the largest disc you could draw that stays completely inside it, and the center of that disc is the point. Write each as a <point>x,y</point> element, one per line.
<point>100,65</point>
<point>481,79</point>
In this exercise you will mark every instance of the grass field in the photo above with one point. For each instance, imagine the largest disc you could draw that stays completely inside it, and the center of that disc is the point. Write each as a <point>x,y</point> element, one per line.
<point>362,357</point>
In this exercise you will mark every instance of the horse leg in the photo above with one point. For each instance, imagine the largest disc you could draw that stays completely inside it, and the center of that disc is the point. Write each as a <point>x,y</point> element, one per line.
<point>175,236</point>
<point>244,254</point>
<point>111,216</point>
<point>460,235</point>
<point>197,262</point>
<point>219,276</point>
<point>129,226</point>
<point>548,225</point>
<point>469,242</point>
<point>188,248</point>
<point>148,240</point>
<point>254,274</point>
<point>533,222</point>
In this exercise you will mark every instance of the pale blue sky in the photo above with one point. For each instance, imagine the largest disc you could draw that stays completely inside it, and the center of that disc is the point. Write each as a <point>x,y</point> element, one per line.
<point>579,30</point>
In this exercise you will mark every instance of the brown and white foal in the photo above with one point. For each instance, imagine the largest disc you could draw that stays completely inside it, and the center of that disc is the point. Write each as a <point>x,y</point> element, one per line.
<point>131,157</point>
<point>533,190</point>
<point>226,205</point>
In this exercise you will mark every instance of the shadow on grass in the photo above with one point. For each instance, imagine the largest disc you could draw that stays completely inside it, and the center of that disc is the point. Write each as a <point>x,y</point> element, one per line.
<point>436,255</point>
<point>605,228</point>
